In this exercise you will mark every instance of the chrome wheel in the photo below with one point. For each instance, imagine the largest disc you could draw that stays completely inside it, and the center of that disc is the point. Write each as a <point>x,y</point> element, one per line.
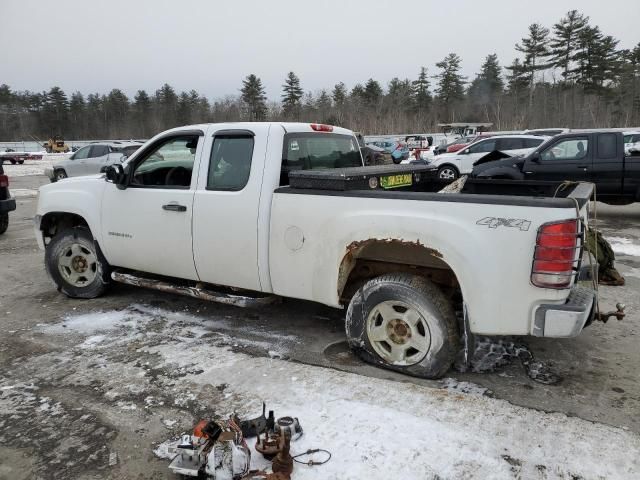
<point>447,173</point>
<point>78,265</point>
<point>398,333</point>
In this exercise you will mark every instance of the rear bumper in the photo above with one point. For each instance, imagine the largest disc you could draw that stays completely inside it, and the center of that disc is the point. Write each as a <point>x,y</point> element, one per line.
<point>7,205</point>
<point>568,319</point>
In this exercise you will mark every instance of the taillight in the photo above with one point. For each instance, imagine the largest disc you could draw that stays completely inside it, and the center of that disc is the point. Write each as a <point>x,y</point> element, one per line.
<point>4,181</point>
<point>555,260</point>
<point>319,127</point>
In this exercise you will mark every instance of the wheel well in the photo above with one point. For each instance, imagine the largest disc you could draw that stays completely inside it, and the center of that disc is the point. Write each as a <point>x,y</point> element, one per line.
<point>54,222</point>
<point>368,259</point>
<point>449,165</point>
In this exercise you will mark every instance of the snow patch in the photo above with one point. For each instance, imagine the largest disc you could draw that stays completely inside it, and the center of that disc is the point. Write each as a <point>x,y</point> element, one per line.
<point>624,246</point>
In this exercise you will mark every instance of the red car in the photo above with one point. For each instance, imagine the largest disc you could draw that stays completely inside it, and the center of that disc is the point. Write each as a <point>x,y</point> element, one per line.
<point>464,141</point>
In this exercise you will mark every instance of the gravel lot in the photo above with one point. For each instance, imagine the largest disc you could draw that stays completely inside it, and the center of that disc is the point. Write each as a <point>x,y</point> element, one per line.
<point>64,411</point>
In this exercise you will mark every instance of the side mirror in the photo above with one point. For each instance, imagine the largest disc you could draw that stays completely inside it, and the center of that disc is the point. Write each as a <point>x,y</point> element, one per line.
<point>535,157</point>
<point>465,151</point>
<point>115,174</point>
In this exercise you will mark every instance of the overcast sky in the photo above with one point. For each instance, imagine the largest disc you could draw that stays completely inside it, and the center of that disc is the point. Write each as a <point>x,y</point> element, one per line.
<point>210,46</point>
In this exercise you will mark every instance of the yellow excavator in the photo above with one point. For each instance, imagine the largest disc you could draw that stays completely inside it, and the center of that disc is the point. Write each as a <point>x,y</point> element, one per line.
<point>56,145</point>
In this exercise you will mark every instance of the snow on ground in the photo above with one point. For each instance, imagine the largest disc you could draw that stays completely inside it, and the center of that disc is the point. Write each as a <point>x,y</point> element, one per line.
<point>33,167</point>
<point>24,192</point>
<point>374,428</point>
<point>624,246</point>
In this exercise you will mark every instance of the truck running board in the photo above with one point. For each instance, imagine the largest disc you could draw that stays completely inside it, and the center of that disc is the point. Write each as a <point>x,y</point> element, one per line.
<point>195,291</point>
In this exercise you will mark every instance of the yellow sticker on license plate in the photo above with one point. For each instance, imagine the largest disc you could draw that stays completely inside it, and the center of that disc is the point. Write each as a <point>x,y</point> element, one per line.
<point>395,181</point>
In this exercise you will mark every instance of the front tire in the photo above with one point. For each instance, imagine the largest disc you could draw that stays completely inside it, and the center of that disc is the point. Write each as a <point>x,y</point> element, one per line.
<point>75,265</point>
<point>4,222</point>
<point>60,174</point>
<point>403,322</point>
<point>448,173</point>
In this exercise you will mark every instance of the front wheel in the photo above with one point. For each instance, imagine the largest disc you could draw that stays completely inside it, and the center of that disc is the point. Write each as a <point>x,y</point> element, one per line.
<point>448,173</point>
<point>4,222</point>
<point>74,265</point>
<point>403,322</point>
<point>60,174</point>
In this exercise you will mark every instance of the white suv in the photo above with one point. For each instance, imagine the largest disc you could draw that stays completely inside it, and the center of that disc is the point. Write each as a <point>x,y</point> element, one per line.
<point>452,165</point>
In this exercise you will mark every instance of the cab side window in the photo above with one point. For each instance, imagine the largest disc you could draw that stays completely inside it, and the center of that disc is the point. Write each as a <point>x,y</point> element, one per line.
<point>570,149</point>
<point>168,164</point>
<point>230,162</point>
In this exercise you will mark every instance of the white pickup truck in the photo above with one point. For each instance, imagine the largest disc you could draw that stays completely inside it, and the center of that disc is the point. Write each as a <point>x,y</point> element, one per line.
<point>208,211</point>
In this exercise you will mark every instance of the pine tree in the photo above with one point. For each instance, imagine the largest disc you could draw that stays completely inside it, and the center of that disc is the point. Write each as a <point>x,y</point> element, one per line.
<point>535,50</point>
<point>55,111</point>
<point>166,103</point>
<point>488,84</point>
<point>291,96</point>
<point>517,80</point>
<point>254,97</point>
<point>372,92</point>
<point>597,59</point>
<point>421,93</point>
<point>77,108</point>
<point>339,94</point>
<point>563,45</point>
<point>142,114</point>
<point>450,88</point>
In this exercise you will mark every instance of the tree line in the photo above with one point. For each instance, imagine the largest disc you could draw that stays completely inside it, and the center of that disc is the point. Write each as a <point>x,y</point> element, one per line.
<point>571,75</point>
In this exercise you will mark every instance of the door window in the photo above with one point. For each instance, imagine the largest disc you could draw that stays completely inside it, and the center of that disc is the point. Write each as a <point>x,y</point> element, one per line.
<point>570,149</point>
<point>532,142</point>
<point>230,162</point>
<point>82,153</point>
<point>168,164</point>
<point>607,145</point>
<point>510,143</point>
<point>98,151</point>
<point>483,147</point>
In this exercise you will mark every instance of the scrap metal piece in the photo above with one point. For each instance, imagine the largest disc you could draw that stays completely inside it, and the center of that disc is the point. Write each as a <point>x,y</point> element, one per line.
<point>283,461</point>
<point>255,426</point>
<point>195,292</point>
<point>289,427</point>
<point>619,313</point>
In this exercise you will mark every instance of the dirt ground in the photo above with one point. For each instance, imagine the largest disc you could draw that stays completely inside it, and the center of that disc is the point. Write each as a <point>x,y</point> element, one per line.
<point>65,414</point>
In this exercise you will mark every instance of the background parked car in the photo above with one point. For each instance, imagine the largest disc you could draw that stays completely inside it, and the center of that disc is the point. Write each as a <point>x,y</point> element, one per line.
<point>452,165</point>
<point>91,159</point>
<point>7,203</point>
<point>372,155</point>
<point>399,151</point>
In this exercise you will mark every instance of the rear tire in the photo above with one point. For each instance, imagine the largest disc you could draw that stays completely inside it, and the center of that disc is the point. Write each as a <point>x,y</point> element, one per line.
<point>403,322</point>
<point>4,222</point>
<point>75,265</point>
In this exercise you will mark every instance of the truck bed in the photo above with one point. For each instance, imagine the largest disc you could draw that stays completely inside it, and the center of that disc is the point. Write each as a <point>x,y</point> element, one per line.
<point>425,186</point>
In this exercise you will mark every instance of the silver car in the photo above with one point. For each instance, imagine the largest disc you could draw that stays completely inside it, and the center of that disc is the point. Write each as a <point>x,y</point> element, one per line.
<point>91,159</point>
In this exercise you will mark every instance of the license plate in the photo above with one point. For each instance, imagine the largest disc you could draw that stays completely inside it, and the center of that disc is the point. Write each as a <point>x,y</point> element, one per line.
<point>395,181</point>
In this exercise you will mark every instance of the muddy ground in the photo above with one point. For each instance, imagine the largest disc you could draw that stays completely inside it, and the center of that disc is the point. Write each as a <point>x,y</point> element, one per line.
<point>65,414</point>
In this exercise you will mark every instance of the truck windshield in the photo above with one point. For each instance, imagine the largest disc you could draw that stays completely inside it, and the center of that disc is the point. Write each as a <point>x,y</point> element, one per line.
<point>310,151</point>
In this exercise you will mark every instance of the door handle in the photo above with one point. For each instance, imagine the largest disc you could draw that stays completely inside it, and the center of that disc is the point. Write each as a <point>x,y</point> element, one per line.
<point>174,207</point>
<point>582,166</point>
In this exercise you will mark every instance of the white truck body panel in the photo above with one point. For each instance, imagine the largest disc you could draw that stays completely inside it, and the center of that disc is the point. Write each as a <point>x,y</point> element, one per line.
<point>293,243</point>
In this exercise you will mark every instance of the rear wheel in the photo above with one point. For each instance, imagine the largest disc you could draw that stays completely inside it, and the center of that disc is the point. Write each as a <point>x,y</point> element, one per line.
<point>73,262</point>
<point>20,162</point>
<point>404,323</point>
<point>4,222</point>
<point>448,173</point>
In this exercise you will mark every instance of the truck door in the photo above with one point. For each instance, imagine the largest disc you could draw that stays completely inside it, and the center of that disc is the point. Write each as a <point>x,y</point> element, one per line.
<point>225,209</point>
<point>147,226</point>
<point>608,165</point>
<point>565,159</point>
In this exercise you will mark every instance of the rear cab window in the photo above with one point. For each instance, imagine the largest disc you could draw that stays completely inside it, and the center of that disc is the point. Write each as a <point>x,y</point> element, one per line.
<point>311,151</point>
